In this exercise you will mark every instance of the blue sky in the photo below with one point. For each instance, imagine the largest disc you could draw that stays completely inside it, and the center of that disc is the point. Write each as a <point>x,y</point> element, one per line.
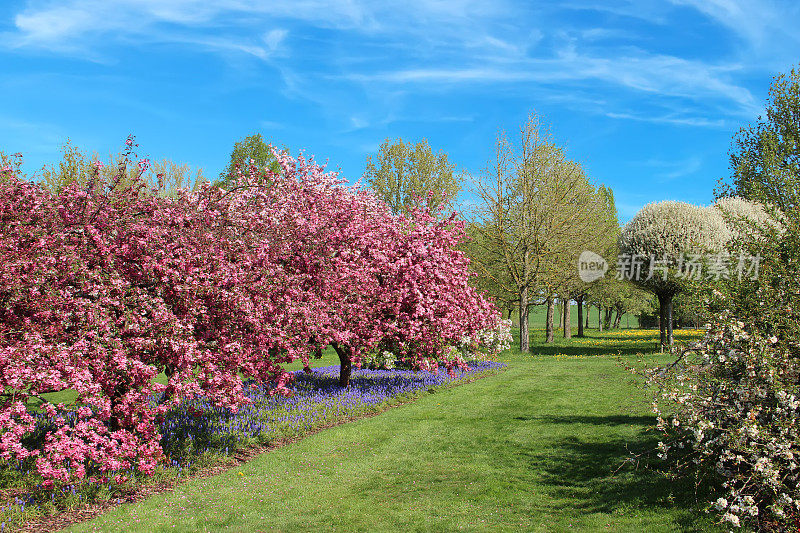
<point>647,94</point>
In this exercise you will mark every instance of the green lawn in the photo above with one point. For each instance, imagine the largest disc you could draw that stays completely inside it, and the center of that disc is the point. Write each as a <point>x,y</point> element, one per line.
<point>538,315</point>
<point>541,446</point>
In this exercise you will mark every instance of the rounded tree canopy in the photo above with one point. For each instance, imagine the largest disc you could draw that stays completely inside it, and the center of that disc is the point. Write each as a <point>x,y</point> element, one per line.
<point>662,234</point>
<point>747,220</point>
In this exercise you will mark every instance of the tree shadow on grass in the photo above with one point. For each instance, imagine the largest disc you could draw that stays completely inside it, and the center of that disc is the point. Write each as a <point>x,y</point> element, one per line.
<point>589,350</point>
<point>620,476</point>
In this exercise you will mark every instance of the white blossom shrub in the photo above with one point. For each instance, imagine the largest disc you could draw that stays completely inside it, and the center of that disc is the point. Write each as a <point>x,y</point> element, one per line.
<point>483,346</point>
<point>379,360</point>
<point>745,219</point>
<point>731,408</point>
<point>487,343</point>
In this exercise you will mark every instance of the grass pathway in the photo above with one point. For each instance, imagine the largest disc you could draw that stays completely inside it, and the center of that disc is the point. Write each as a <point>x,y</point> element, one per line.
<point>536,447</point>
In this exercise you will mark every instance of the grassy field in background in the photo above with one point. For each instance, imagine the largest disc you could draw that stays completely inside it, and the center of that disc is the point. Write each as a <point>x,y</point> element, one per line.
<point>538,317</point>
<point>541,446</point>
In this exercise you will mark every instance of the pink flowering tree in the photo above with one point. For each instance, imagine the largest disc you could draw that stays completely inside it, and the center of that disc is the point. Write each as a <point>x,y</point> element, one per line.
<point>103,288</point>
<point>106,286</point>
<point>383,281</point>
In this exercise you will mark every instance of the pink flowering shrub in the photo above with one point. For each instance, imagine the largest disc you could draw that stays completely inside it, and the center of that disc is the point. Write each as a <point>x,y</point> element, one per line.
<point>104,287</point>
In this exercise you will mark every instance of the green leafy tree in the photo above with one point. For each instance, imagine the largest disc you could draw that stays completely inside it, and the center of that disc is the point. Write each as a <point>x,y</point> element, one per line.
<point>249,149</point>
<point>10,165</point>
<point>489,276</point>
<point>80,167</point>
<point>535,210</point>
<point>598,231</point>
<point>407,176</point>
<point>765,157</point>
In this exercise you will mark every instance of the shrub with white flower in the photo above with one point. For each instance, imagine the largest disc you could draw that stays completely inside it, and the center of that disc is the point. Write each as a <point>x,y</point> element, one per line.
<point>379,360</point>
<point>487,343</point>
<point>483,346</point>
<point>731,406</point>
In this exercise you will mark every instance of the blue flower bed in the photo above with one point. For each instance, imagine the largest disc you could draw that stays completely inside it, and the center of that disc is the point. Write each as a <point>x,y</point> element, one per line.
<point>317,400</point>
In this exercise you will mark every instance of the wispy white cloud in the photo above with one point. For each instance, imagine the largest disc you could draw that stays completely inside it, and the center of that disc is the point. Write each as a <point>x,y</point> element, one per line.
<point>698,122</point>
<point>680,169</point>
<point>759,21</point>
<point>768,28</point>
<point>430,45</point>
<point>660,74</point>
<point>77,27</point>
<point>651,11</point>
<point>61,24</point>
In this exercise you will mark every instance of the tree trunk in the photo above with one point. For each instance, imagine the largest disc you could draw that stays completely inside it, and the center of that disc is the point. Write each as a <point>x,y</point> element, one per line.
<point>524,335</point>
<point>579,301</point>
<point>669,322</point>
<point>600,318</point>
<point>617,319</point>
<point>567,319</point>
<point>662,316</point>
<point>345,365</point>
<point>588,307</point>
<point>607,317</point>
<point>524,338</point>
<point>551,307</point>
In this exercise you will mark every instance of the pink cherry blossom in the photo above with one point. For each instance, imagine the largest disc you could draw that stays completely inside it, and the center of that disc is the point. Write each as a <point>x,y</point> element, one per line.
<point>106,287</point>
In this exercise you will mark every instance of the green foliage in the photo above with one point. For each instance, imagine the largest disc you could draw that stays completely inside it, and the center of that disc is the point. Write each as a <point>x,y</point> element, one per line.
<point>620,295</point>
<point>734,396</point>
<point>765,157</point>
<point>406,176</point>
<point>538,212</point>
<point>491,276</point>
<point>769,305</point>
<point>77,166</point>
<point>746,219</point>
<point>10,165</point>
<point>249,149</point>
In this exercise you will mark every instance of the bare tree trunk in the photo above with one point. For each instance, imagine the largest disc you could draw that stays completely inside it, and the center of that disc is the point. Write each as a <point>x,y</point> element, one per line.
<point>662,319</point>
<point>617,318</point>
<point>670,339</point>
<point>567,319</point>
<point>600,317</point>
<point>588,308</point>
<point>524,338</point>
<point>551,307</point>
<point>579,301</point>
<point>524,335</point>
<point>345,364</point>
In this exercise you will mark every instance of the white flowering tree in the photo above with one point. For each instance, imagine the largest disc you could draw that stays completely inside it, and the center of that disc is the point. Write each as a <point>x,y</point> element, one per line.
<point>663,245</point>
